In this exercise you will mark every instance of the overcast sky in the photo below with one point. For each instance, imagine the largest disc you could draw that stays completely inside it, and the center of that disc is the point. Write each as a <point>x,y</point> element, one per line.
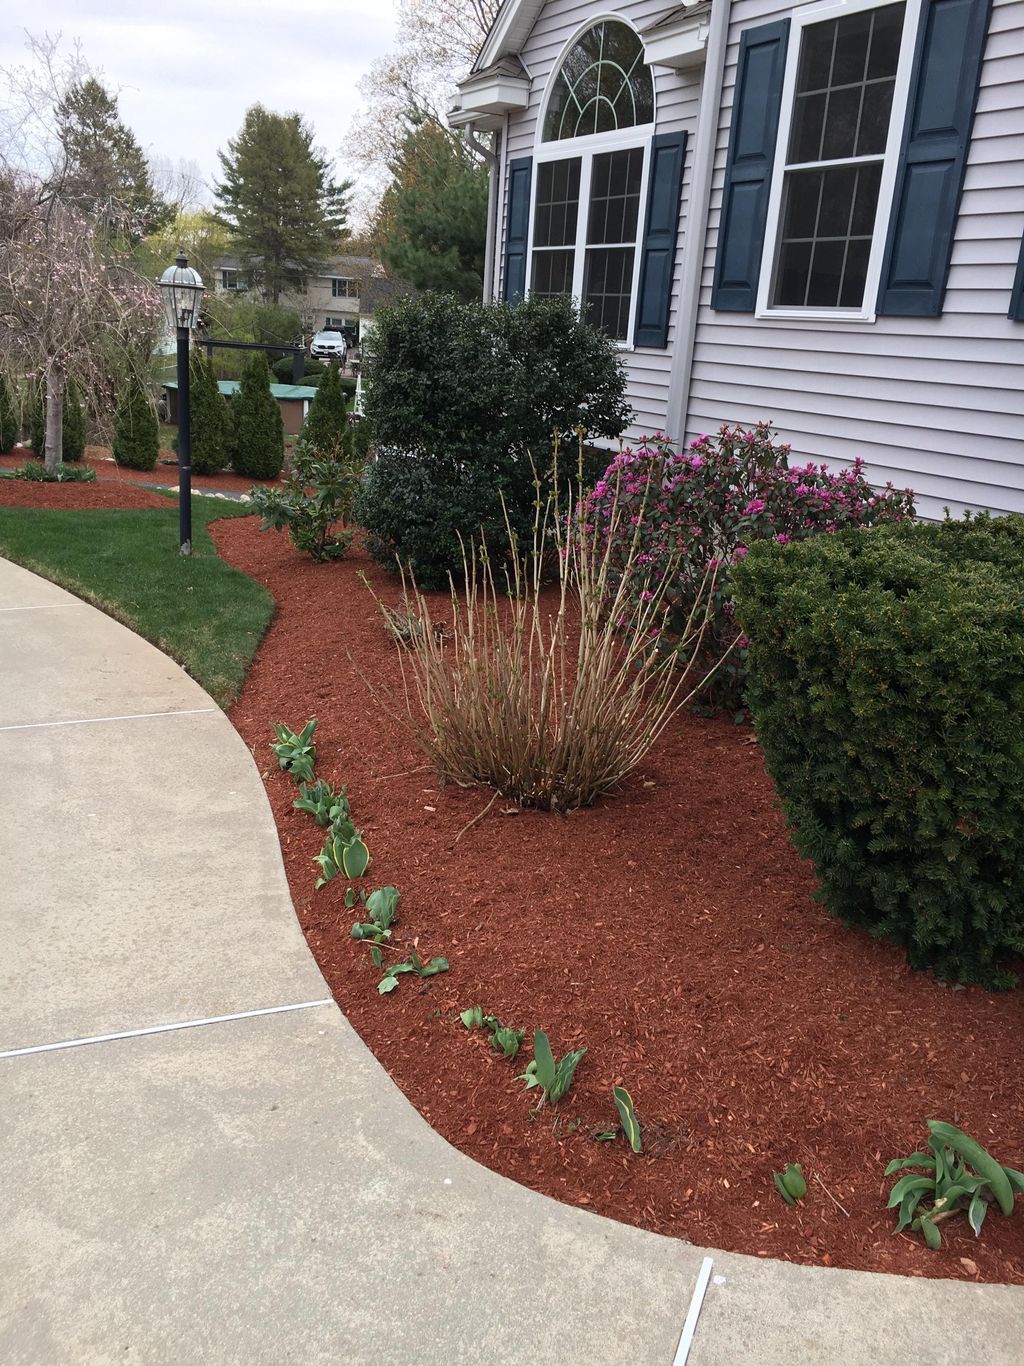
<point>186,71</point>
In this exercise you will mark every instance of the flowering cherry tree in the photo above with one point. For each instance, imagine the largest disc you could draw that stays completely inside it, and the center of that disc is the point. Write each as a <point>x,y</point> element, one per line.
<point>70,306</point>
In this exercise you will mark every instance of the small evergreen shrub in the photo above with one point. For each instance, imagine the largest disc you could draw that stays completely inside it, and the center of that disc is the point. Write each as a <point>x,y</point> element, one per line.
<point>705,506</point>
<point>136,443</point>
<point>73,425</point>
<point>35,418</point>
<point>258,426</point>
<point>887,690</point>
<point>8,416</point>
<point>463,400</point>
<point>209,423</point>
<point>326,425</point>
<point>284,369</point>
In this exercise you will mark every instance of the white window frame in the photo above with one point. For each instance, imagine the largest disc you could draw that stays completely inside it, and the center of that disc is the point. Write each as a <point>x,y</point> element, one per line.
<point>346,280</point>
<point>817,14</point>
<point>586,148</point>
<point>235,273</point>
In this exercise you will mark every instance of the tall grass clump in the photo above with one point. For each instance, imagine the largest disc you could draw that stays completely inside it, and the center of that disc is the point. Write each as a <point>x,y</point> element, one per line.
<point>552,692</point>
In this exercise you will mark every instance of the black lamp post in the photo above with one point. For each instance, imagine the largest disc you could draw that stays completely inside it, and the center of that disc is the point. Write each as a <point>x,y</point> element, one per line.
<point>183,294</point>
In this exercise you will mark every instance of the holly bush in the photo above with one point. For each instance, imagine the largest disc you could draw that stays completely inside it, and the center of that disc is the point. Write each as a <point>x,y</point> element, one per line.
<point>701,509</point>
<point>887,687</point>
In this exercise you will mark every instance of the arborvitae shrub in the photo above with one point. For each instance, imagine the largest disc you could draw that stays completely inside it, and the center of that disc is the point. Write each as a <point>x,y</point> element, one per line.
<point>210,423</point>
<point>8,416</point>
<point>326,424</point>
<point>887,688</point>
<point>136,432</point>
<point>258,426</point>
<point>73,435</point>
<point>35,419</point>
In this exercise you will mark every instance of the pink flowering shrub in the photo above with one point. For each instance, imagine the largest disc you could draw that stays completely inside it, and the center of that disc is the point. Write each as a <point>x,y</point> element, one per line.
<point>700,508</point>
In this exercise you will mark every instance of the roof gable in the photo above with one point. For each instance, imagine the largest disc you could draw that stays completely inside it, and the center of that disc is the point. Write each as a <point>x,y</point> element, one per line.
<point>515,20</point>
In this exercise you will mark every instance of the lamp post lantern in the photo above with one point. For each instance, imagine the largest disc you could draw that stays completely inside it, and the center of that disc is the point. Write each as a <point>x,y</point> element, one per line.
<point>182,289</point>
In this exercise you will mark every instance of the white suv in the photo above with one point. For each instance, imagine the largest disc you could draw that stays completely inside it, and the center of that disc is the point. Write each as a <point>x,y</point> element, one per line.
<point>328,345</point>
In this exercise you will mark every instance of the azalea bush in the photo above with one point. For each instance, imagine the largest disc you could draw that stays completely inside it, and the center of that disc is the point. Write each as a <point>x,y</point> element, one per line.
<point>701,509</point>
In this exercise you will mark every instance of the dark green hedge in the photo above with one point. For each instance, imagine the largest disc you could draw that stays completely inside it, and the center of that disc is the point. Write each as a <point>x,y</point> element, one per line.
<point>887,687</point>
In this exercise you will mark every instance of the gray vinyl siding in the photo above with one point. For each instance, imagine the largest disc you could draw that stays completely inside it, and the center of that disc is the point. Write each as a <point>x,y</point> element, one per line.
<point>936,404</point>
<point>676,95</point>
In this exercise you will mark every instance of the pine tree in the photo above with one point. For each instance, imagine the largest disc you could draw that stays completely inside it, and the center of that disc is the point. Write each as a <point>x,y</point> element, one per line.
<point>136,433</point>
<point>326,426</point>
<point>8,417</point>
<point>431,226</point>
<point>279,200</point>
<point>35,419</point>
<point>259,430</point>
<point>106,169</point>
<point>209,425</point>
<point>73,431</point>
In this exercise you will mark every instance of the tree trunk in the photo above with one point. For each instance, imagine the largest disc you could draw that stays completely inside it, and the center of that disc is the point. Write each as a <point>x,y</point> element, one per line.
<point>54,419</point>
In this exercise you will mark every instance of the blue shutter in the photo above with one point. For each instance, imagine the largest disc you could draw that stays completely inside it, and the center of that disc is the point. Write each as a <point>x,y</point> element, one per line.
<point>517,227</point>
<point>1017,293</point>
<point>748,170</point>
<point>933,158</point>
<point>657,259</point>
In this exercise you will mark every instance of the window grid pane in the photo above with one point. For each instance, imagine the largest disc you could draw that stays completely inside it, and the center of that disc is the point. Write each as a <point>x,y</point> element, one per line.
<point>608,289</point>
<point>602,85</point>
<point>841,113</point>
<point>615,196</point>
<point>552,273</point>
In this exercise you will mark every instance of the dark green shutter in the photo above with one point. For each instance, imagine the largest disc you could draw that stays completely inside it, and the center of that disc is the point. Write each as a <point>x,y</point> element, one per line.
<point>658,257</point>
<point>1017,293</point>
<point>517,227</point>
<point>748,169</point>
<point>933,158</point>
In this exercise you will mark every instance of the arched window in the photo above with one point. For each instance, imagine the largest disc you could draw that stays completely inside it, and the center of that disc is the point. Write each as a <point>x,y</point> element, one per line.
<point>586,213</point>
<point>602,85</point>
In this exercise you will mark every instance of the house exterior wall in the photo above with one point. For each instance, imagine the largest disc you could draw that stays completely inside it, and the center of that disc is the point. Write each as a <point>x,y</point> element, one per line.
<point>676,97</point>
<point>933,403</point>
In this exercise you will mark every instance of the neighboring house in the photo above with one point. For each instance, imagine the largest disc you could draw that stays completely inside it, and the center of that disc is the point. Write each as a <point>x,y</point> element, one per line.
<point>335,297</point>
<point>808,212</point>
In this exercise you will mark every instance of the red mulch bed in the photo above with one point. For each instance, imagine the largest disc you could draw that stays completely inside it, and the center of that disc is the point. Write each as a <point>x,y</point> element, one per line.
<point>166,472</point>
<point>20,493</point>
<point>671,930</point>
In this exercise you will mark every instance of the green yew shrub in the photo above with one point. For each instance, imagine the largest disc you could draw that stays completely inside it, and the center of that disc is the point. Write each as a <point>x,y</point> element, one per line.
<point>887,686</point>
<point>209,423</point>
<point>258,426</point>
<point>8,416</point>
<point>73,426</point>
<point>136,443</point>
<point>463,399</point>
<point>326,424</point>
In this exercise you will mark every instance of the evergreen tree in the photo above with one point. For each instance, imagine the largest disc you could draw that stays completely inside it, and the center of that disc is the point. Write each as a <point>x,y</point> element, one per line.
<point>278,197</point>
<point>209,425</point>
<point>431,226</point>
<point>35,419</point>
<point>326,425</point>
<point>259,430</point>
<point>136,434</point>
<point>73,429</point>
<point>106,169</point>
<point>8,417</point>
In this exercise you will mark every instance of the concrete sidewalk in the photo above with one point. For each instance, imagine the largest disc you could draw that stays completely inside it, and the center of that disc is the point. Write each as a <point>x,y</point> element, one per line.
<point>255,1189</point>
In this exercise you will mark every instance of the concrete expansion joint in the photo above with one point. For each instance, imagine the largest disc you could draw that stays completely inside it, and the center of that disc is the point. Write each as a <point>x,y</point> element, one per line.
<point>98,720</point>
<point>161,1028</point>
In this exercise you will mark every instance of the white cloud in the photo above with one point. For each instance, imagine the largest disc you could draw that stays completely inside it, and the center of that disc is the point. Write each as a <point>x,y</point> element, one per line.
<point>185,78</point>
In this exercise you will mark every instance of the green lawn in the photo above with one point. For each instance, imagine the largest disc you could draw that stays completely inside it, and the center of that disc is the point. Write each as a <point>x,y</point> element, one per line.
<point>200,611</point>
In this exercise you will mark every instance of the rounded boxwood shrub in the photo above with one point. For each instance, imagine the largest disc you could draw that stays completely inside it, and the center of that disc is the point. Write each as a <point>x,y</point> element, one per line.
<point>463,400</point>
<point>887,688</point>
<point>258,444</point>
<point>284,369</point>
<point>136,443</point>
